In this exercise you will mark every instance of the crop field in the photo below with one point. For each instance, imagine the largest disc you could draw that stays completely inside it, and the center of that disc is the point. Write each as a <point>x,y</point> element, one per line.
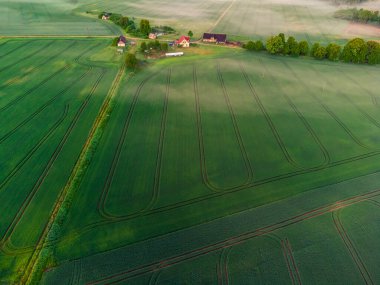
<point>41,17</point>
<point>309,20</point>
<point>222,166</point>
<point>224,169</point>
<point>49,98</point>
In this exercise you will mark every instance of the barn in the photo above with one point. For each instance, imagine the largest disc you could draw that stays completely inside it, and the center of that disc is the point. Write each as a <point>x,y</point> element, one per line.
<point>215,38</point>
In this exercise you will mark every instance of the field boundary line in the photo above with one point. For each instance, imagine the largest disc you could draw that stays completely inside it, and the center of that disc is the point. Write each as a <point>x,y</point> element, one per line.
<point>76,175</point>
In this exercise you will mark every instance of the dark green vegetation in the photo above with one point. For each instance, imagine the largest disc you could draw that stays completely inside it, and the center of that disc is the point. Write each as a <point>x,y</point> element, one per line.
<point>355,51</point>
<point>358,15</point>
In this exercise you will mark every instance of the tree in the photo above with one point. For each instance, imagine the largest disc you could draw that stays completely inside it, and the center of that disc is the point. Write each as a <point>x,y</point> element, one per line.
<point>320,52</point>
<point>190,34</point>
<point>115,41</point>
<point>314,48</point>
<point>333,52</point>
<point>282,36</point>
<point>145,28</point>
<point>373,52</point>
<point>143,47</point>
<point>250,46</point>
<point>123,22</point>
<point>131,61</point>
<point>275,45</point>
<point>164,47</point>
<point>293,46</point>
<point>304,47</point>
<point>355,51</point>
<point>258,45</point>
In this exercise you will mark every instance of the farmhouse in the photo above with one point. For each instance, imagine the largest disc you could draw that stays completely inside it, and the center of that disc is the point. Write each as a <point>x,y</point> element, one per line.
<point>106,17</point>
<point>153,36</point>
<point>122,41</point>
<point>183,42</point>
<point>215,38</point>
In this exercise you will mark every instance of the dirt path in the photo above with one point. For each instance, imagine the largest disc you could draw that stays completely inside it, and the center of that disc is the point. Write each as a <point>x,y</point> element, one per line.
<point>221,17</point>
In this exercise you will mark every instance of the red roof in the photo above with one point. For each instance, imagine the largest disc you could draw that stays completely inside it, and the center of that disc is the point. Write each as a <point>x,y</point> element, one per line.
<point>181,39</point>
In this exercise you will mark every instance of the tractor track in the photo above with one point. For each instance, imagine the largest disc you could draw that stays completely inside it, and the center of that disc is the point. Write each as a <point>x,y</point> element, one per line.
<point>30,153</point>
<point>31,261</point>
<point>116,157</point>
<point>11,227</point>
<point>188,202</point>
<point>271,125</point>
<point>238,239</point>
<point>26,57</point>
<point>327,109</point>
<point>238,135</point>
<point>36,68</point>
<point>13,50</point>
<point>351,248</point>
<point>326,155</point>
<point>42,108</point>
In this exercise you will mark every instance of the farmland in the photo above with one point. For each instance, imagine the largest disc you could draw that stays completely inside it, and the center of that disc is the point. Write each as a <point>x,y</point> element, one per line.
<point>306,152</point>
<point>222,166</point>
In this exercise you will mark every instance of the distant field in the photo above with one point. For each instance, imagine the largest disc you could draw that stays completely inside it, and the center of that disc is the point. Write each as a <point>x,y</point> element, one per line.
<point>41,17</point>
<point>240,19</point>
<point>310,20</point>
<point>191,144</point>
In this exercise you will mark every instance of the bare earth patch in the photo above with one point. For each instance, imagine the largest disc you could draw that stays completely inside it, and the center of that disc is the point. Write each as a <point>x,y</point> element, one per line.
<point>357,30</point>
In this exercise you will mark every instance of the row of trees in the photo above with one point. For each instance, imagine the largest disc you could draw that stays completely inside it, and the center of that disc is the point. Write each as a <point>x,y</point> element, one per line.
<point>355,51</point>
<point>361,15</point>
<point>129,24</point>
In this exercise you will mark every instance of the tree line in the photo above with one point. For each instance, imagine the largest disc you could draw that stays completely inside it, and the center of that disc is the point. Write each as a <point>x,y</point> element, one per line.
<point>361,15</point>
<point>356,50</point>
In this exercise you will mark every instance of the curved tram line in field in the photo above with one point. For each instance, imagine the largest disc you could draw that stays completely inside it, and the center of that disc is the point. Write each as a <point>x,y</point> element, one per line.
<point>327,109</point>
<point>36,67</point>
<point>122,276</point>
<point>47,79</point>
<point>11,227</point>
<point>173,206</point>
<point>30,153</point>
<point>326,155</point>
<point>351,248</point>
<point>239,138</point>
<point>364,113</point>
<point>42,108</point>
<point>26,57</point>
<point>116,158</point>
<point>271,125</point>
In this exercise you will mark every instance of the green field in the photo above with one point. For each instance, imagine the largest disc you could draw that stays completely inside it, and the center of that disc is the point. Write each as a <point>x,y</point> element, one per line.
<point>222,166</point>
